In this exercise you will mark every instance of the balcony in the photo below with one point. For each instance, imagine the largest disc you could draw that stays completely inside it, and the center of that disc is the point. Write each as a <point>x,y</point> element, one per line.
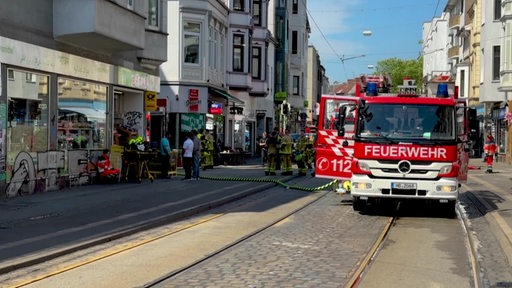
<point>98,25</point>
<point>239,81</point>
<point>454,52</point>
<point>454,22</point>
<point>259,88</point>
<point>155,51</point>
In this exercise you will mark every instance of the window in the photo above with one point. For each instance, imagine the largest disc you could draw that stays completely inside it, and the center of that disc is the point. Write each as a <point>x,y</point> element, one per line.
<point>238,5</point>
<point>153,14</point>
<point>192,33</point>
<point>238,53</point>
<point>462,87</point>
<point>497,9</point>
<point>296,85</point>
<point>295,7</point>
<point>31,78</point>
<point>27,113</point>
<point>10,74</point>
<point>256,12</point>
<point>82,116</point>
<point>256,63</point>
<point>294,42</point>
<point>130,4</point>
<point>496,63</point>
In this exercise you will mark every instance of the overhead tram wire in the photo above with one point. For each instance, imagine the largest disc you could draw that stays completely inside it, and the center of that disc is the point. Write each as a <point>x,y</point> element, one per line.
<point>325,38</point>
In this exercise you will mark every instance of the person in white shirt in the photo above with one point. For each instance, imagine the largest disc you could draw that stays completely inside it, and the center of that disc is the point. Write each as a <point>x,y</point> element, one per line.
<point>188,148</point>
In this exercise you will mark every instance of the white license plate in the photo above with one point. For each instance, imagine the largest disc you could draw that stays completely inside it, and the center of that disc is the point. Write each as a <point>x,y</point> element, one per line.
<point>399,185</point>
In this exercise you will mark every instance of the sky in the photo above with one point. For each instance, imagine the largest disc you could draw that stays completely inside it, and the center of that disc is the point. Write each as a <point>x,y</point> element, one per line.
<point>337,32</point>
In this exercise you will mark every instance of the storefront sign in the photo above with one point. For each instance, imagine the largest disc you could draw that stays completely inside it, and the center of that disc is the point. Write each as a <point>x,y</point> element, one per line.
<point>36,57</point>
<point>137,79</point>
<point>161,103</point>
<point>150,101</point>
<point>216,108</point>
<point>193,100</point>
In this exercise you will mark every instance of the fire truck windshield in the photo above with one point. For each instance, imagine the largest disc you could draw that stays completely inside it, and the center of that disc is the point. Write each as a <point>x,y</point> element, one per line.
<point>399,122</point>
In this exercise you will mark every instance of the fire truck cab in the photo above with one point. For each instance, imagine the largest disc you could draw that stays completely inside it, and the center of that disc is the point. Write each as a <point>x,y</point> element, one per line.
<point>395,146</point>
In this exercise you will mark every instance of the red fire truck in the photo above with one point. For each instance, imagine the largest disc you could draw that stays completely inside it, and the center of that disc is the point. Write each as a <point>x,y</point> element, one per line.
<point>395,146</point>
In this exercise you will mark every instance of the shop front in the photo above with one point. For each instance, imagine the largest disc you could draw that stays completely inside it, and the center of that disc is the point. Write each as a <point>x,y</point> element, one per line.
<point>57,113</point>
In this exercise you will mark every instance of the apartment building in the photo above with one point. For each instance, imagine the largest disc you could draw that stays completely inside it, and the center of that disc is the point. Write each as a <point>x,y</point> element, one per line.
<point>298,56</point>
<point>478,61</point>
<point>314,84</point>
<point>220,70</point>
<point>75,75</point>
<point>506,74</point>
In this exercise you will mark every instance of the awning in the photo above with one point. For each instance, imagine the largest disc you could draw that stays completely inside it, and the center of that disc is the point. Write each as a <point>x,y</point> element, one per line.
<point>91,114</point>
<point>225,95</point>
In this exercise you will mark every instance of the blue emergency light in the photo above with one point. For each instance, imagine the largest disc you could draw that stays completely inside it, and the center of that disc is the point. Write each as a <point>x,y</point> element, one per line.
<point>442,90</point>
<point>372,89</point>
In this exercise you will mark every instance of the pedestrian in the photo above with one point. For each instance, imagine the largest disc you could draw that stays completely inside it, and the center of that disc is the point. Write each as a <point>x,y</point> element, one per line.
<point>165,155</point>
<point>188,150</point>
<point>490,149</point>
<point>262,144</point>
<point>196,155</point>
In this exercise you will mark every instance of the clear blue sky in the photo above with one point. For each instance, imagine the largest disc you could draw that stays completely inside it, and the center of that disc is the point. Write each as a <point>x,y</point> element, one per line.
<point>337,31</point>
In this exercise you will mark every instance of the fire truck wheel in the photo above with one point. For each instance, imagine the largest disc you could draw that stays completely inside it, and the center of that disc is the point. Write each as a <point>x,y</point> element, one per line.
<point>358,204</point>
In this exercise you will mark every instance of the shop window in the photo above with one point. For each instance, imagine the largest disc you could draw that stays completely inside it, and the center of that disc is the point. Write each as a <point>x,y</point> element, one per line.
<point>82,116</point>
<point>27,113</point>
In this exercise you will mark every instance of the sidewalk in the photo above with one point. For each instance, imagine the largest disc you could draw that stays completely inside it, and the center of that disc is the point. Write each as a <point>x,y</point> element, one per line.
<point>67,220</point>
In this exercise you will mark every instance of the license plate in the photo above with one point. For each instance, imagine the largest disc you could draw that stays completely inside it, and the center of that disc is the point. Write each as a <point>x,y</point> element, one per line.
<point>399,185</point>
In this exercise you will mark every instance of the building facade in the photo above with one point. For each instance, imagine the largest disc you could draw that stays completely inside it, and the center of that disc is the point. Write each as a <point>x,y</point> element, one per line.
<point>69,87</point>
<point>219,57</point>
<point>479,57</point>
<point>299,31</point>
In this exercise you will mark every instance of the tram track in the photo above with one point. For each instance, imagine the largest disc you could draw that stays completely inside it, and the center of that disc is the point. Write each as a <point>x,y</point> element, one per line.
<point>364,269</point>
<point>99,254</point>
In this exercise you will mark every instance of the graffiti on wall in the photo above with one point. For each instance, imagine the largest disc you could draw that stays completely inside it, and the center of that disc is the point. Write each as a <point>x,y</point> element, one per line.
<point>133,120</point>
<point>50,170</point>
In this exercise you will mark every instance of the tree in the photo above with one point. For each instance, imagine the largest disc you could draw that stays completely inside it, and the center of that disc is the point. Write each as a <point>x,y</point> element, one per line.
<point>397,69</point>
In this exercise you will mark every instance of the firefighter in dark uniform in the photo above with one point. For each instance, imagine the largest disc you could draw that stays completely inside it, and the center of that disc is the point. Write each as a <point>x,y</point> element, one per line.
<point>286,153</point>
<point>300,153</point>
<point>209,142</point>
<point>272,154</point>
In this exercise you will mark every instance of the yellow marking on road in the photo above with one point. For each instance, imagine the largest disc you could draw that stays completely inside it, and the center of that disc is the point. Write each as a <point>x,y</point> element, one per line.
<point>125,248</point>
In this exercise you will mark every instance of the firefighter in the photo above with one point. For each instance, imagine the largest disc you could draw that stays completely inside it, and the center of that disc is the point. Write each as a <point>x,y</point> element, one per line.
<point>300,153</point>
<point>209,144</point>
<point>272,154</point>
<point>489,149</point>
<point>285,152</point>
<point>310,153</point>
<point>204,153</point>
